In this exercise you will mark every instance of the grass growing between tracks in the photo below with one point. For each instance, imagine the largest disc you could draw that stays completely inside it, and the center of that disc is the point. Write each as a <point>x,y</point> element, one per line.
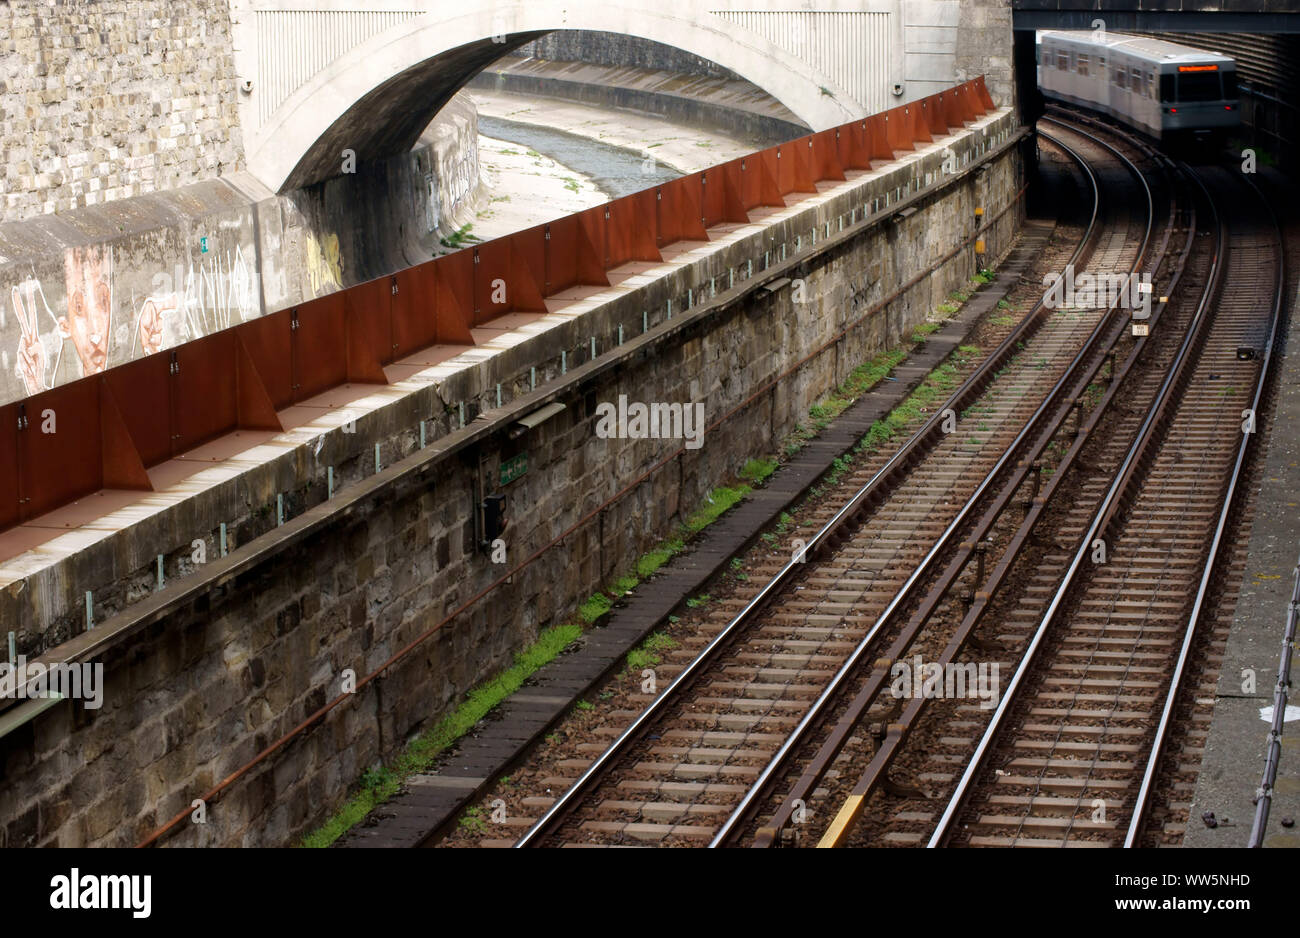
<point>380,784</point>
<point>867,375</point>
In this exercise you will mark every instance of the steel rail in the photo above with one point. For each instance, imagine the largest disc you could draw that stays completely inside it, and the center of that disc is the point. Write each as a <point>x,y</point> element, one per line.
<point>901,728</point>
<point>816,713</point>
<point>1101,519</point>
<point>1273,758</point>
<point>1203,588</point>
<point>902,458</point>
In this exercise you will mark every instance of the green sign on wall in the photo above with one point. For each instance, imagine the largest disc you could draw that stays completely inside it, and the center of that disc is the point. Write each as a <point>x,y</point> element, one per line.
<point>513,468</point>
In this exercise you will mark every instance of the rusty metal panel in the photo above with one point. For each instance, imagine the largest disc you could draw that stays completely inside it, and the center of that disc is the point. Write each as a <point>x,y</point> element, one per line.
<point>854,145</point>
<point>679,210</point>
<point>630,227</point>
<point>58,467</point>
<point>898,129</point>
<point>962,109</point>
<point>369,309</point>
<point>414,309</point>
<point>932,109</point>
<point>824,155</point>
<point>269,341</point>
<point>455,290</point>
<point>915,118</point>
<point>320,351</point>
<point>254,408</point>
<point>492,286</point>
<point>593,247</point>
<point>121,466</point>
<point>721,187</point>
<point>9,492</point>
<point>528,269</point>
<point>794,172</point>
<point>143,390</point>
<point>981,93</point>
<point>205,390</point>
<point>561,255</point>
<point>592,241</point>
<point>949,109</point>
<point>878,137</point>
<point>761,187</point>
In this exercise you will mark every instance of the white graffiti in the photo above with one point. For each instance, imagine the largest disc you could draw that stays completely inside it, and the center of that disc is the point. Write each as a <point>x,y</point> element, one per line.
<point>193,302</point>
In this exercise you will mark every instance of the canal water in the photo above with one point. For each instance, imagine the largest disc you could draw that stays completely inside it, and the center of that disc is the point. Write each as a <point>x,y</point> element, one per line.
<point>615,171</point>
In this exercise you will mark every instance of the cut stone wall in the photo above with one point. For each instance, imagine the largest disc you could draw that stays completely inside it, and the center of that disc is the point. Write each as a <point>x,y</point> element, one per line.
<point>109,99</point>
<point>193,696</point>
<point>984,47</point>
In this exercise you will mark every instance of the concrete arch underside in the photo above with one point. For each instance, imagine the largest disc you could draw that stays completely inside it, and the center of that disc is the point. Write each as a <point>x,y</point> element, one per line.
<point>376,98</point>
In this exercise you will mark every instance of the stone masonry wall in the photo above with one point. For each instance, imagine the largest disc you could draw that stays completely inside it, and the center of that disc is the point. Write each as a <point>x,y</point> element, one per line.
<point>193,697</point>
<point>984,47</point>
<point>113,98</point>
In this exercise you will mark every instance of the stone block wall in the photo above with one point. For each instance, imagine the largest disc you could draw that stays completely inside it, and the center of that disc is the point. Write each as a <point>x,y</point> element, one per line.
<point>984,47</point>
<point>105,99</point>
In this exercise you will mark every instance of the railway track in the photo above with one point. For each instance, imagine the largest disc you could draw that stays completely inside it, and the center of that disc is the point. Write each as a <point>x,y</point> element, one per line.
<point>684,769</point>
<point>1072,755</point>
<point>1051,781</point>
<point>874,729</point>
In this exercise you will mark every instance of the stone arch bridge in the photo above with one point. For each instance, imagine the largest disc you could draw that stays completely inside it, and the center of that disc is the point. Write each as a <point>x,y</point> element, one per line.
<point>323,77</point>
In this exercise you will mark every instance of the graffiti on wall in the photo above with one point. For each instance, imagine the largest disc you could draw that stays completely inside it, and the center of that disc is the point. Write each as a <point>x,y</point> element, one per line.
<point>51,348</point>
<point>55,329</point>
<point>324,264</point>
<point>221,291</point>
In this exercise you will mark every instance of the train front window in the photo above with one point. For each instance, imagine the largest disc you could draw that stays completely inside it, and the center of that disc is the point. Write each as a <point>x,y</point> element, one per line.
<point>1229,85</point>
<point>1199,86</point>
<point>1167,87</point>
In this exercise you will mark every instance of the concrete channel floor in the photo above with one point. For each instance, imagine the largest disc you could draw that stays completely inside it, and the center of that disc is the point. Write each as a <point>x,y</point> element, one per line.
<point>429,801</point>
<point>1232,766</point>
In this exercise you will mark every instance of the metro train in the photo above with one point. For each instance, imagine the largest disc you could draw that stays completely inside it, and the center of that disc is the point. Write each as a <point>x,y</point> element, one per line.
<point>1170,92</point>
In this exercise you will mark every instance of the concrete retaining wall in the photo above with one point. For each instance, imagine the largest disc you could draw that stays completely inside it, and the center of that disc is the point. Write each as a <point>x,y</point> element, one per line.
<point>148,273</point>
<point>731,106</point>
<point>597,48</point>
<point>196,694</point>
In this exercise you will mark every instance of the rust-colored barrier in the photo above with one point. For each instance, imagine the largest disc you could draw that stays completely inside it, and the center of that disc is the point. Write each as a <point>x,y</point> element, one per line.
<point>110,428</point>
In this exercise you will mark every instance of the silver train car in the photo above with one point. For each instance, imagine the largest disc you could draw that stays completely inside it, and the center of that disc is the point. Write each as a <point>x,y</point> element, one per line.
<point>1167,91</point>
